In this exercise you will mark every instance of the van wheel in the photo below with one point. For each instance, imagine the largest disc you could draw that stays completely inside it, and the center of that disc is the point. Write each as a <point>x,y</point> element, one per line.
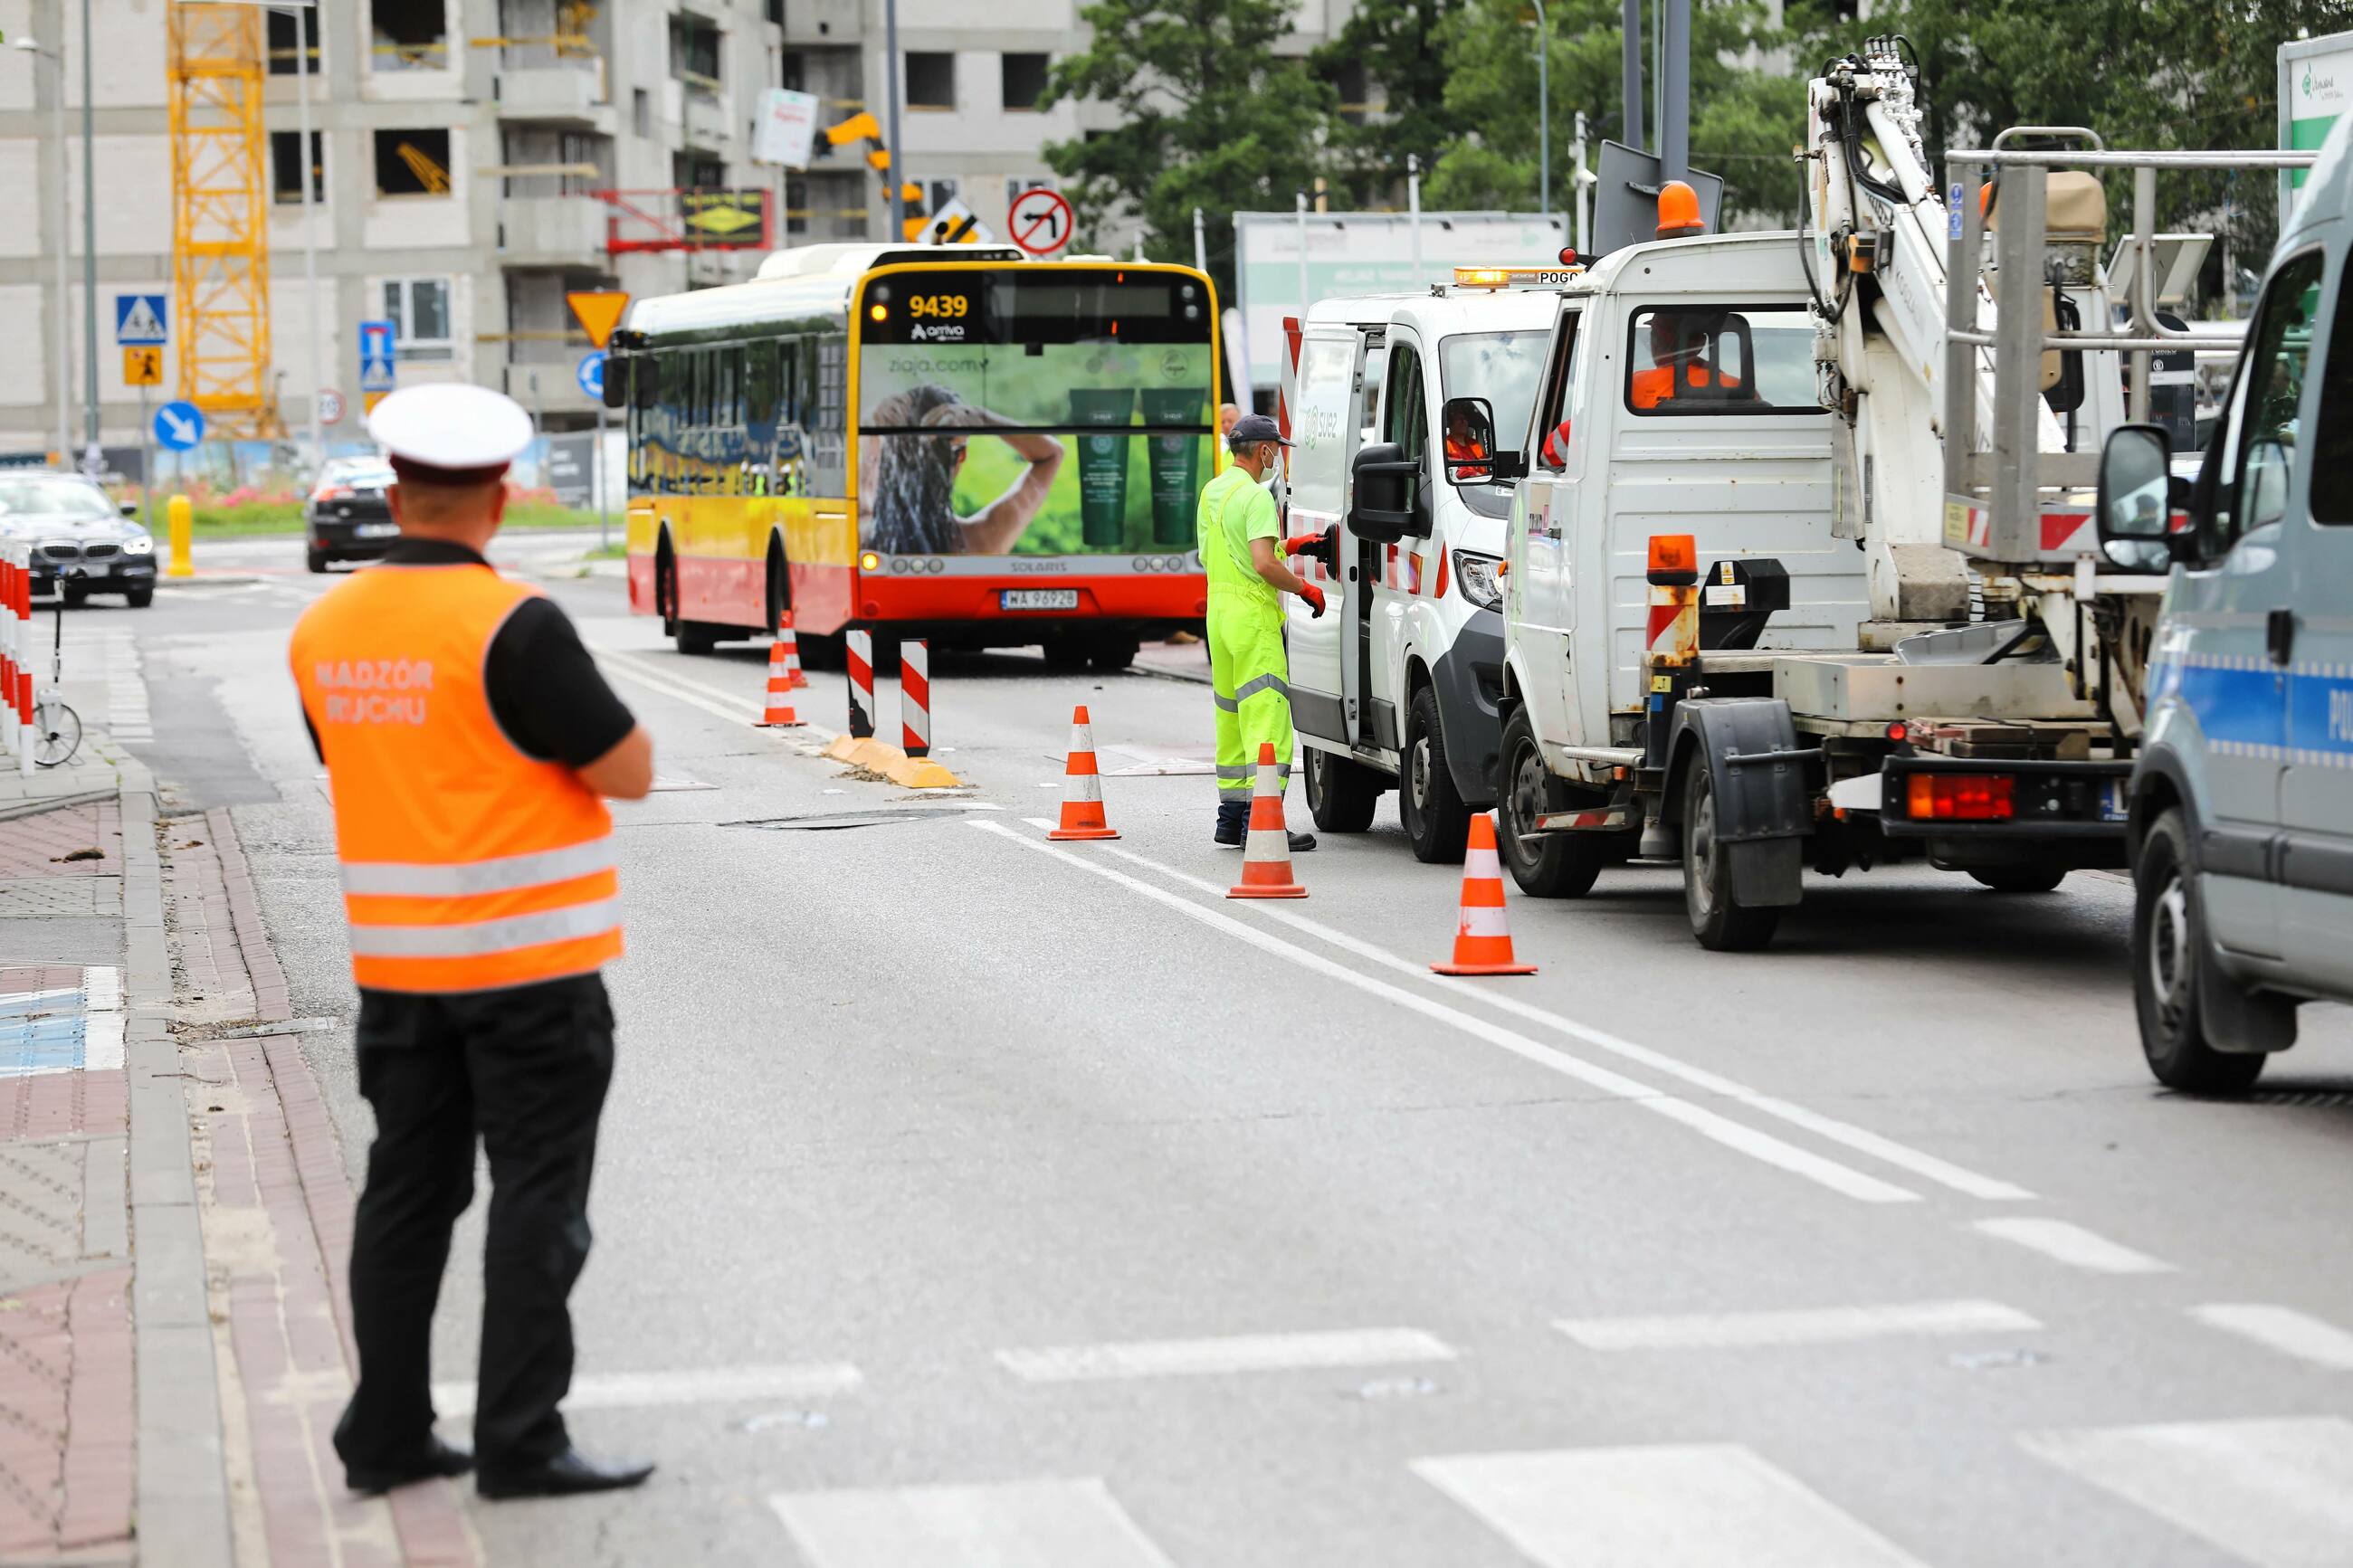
<point>2168,938</point>
<point>1341,794</point>
<point>1436,822</point>
<point>2022,879</point>
<point>1549,865</point>
<point>1721,923</point>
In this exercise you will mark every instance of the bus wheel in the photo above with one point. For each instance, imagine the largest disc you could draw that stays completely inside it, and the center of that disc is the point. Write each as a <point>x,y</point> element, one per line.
<point>1067,654</point>
<point>695,637</point>
<point>1114,653</point>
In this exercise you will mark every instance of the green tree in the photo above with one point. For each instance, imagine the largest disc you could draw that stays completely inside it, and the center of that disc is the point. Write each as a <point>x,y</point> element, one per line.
<point>1208,116</point>
<point>1397,45</point>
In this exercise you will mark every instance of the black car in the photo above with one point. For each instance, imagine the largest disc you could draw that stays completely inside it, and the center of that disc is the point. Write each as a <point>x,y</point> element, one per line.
<point>82,542</point>
<point>348,518</point>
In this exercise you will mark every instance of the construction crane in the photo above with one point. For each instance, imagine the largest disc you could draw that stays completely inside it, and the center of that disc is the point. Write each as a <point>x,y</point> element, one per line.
<point>863,127</point>
<point>220,216</point>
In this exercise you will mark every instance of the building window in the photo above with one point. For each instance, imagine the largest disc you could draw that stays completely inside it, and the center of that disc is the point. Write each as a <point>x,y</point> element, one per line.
<point>286,167</point>
<point>642,112</point>
<point>792,70</point>
<point>931,80</point>
<point>697,171</point>
<point>409,36</point>
<point>938,193</point>
<point>414,162</point>
<point>796,205</point>
<point>1017,183</point>
<point>695,52</point>
<point>285,56</point>
<point>419,310</point>
<point>1353,86</point>
<point>1025,81</point>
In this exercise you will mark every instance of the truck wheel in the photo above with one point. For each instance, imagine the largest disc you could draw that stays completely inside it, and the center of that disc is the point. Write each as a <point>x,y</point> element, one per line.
<point>1549,865</point>
<point>1437,823</point>
<point>2022,879</point>
<point>315,559</point>
<point>1721,924</point>
<point>1340,793</point>
<point>2168,936</point>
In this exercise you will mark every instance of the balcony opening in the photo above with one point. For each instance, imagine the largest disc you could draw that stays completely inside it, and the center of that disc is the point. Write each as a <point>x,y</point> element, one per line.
<point>1025,81</point>
<point>931,80</point>
<point>642,112</point>
<point>695,52</point>
<point>285,54</point>
<point>286,168</point>
<point>409,34</point>
<point>413,162</point>
<point>1350,82</point>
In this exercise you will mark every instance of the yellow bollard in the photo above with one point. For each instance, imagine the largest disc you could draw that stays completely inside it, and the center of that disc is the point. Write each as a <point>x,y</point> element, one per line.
<point>183,526</point>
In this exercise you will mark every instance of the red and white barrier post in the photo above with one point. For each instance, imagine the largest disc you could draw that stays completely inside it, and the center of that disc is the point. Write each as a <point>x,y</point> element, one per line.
<point>24,576</point>
<point>860,665</point>
<point>915,697</point>
<point>8,625</point>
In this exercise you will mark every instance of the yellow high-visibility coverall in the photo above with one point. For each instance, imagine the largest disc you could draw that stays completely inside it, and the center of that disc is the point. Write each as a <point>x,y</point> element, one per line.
<point>1248,671</point>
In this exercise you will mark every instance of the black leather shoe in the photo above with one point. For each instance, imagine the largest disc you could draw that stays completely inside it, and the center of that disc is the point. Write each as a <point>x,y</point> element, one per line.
<point>439,1458</point>
<point>567,1475</point>
<point>1227,838</point>
<point>1301,843</point>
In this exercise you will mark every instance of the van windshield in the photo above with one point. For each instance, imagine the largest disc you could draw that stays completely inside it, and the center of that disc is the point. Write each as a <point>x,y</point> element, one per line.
<point>1504,368</point>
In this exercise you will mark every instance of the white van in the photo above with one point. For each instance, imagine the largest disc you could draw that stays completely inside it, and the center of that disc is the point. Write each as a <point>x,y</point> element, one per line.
<point>1396,685</point>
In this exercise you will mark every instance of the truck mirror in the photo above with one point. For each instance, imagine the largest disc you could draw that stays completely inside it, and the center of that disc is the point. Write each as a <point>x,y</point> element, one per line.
<point>1468,428</point>
<point>1510,466</point>
<point>2136,512</point>
<point>616,382</point>
<point>1385,480</point>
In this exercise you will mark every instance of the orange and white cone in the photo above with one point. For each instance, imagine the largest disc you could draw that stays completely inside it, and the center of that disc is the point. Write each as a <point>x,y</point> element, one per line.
<point>780,714</point>
<point>1482,943</point>
<point>1266,851</point>
<point>1082,802</point>
<point>794,679</point>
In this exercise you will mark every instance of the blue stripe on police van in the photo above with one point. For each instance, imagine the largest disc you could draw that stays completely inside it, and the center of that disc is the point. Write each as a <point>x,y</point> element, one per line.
<point>2248,707</point>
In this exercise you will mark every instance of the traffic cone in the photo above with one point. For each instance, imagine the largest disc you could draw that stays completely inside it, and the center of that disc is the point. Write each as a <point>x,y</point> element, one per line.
<point>780,714</point>
<point>1082,804</point>
<point>1482,943</point>
<point>1266,851</point>
<point>794,679</point>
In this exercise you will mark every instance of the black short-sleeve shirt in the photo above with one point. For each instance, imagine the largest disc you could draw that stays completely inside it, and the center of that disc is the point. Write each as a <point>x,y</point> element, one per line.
<point>545,690</point>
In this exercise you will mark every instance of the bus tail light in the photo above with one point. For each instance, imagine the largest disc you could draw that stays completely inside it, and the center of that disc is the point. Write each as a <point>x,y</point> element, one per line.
<point>870,562</point>
<point>1959,798</point>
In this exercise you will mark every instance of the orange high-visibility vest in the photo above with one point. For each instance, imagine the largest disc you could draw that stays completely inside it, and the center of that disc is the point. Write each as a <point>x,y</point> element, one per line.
<point>467,866</point>
<point>1657,385</point>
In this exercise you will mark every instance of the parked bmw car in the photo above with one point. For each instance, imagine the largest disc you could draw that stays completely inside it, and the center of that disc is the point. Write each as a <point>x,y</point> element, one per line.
<point>348,518</point>
<point>82,542</point>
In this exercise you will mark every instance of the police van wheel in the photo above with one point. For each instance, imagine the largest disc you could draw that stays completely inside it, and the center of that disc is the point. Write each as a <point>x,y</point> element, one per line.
<point>2167,940</point>
<point>1436,822</point>
<point>1721,923</point>
<point>1341,794</point>
<point>1547,865</point>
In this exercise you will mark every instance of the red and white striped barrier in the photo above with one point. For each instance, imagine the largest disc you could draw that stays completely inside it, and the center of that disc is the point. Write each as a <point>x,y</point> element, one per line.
<point>915,697</point>
<point>860,665</point>
<point>8,624</point>
<point>23,585</point>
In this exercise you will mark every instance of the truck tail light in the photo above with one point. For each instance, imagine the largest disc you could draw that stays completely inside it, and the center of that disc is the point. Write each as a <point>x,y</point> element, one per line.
<point>1959,798</point>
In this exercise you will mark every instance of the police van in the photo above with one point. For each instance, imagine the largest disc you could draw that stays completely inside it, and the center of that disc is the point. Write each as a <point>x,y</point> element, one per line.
<point>2241,824</point>
<point>1396,685</point>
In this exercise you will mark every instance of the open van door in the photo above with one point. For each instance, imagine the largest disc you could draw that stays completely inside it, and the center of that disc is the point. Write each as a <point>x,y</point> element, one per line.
<point>1327,423</point>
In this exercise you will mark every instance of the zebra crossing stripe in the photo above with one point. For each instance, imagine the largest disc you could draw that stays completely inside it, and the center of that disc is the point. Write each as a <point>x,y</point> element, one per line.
<point>1016,1524</point>
<point>2282,1329</point>
<point>2276,1494</point>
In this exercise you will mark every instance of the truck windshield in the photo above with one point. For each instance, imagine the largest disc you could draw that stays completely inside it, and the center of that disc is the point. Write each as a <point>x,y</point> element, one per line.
<point>1504,368</point>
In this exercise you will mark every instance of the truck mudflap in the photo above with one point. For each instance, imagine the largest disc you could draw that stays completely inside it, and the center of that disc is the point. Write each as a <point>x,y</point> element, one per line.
<point>1759,776</point>
<point>1469,678</point>
<point>1955,799</point>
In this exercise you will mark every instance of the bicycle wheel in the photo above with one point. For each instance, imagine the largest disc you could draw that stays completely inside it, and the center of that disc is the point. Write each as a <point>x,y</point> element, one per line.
<point>56,732</point>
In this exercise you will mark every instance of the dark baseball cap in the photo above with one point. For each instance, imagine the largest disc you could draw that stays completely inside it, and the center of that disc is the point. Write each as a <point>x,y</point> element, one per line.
<point>1251,429</point>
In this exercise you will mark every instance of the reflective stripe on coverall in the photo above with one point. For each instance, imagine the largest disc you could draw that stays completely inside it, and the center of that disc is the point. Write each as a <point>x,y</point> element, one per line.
<point>1248,670</point>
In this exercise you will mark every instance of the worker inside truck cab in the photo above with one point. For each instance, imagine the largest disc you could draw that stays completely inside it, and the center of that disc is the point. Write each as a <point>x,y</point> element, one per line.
<point>1678,341</point>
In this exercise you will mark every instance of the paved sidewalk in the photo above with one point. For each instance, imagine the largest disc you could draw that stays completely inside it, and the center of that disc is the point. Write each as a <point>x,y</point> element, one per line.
<point>1176,660</point>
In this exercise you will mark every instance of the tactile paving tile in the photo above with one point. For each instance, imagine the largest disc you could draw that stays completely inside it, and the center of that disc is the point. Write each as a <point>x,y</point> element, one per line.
<point>59,898</point>
<point>40,1211</point>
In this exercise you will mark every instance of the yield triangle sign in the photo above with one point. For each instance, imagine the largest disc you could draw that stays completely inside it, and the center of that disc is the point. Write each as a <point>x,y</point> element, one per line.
<point>599,312</point>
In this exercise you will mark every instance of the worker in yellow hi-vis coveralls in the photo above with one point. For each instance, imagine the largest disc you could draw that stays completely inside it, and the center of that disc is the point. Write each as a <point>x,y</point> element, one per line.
<point>1241,552</point>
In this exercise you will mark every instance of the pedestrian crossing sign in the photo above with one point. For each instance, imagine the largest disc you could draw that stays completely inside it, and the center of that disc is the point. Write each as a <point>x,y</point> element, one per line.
<point>142,366</point>
<point>139,321</point>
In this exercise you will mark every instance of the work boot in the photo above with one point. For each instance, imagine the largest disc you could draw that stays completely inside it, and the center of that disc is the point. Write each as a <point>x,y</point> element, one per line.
<point>1301,843</point>
<point>1233,823</point>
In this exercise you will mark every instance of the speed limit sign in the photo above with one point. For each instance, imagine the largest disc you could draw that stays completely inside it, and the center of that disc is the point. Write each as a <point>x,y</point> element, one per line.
<point>1040,221</point>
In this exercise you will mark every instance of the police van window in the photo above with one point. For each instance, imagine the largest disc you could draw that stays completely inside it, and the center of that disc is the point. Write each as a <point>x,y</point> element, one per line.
<point>1405,409</point>
<point>2261,433</point>
<point>2332,436</point>
<point>1705,360</point>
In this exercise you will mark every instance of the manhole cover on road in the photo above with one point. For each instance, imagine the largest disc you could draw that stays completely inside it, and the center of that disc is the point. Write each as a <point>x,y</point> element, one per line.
<point>823,821</point>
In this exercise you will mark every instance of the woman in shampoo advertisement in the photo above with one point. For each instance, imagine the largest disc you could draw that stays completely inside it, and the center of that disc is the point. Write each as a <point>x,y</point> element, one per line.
<point>908,481</point>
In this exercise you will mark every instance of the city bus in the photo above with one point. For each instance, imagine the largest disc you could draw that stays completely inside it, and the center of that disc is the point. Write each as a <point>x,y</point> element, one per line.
<point>965,445</point>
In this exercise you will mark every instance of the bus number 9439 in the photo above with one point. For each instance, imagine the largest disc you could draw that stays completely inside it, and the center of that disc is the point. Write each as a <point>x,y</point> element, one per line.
<point>939,307</point>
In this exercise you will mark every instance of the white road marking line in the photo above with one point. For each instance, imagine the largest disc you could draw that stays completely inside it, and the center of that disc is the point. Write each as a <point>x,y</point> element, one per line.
<point>727,707</point>
<point>1841,1179</point>
<point>1239,1353</point>
<point>1015,1524</point>
<point>1042,823</point>
<point>1700,1505</point>
<point>1801,1326</point>
<point>2283,1329</point>
<point>706,1385</point>
<point>2073,1245</point>
<point>1925,1165</point>
<point>2276,1494</point>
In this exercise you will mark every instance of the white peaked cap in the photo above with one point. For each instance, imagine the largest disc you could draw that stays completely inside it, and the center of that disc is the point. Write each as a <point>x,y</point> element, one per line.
<point>452,426</point>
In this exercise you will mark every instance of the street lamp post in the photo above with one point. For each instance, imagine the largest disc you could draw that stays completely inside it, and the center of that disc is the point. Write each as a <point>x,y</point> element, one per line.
<point>65,268</point>
<point>897,172</point>
<point>310,234</point>
<point>1543,111</point>
<point>90,461</point>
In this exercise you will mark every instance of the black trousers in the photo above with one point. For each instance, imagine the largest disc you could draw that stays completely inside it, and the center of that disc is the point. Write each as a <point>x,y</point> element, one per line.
<point>525,1070</point>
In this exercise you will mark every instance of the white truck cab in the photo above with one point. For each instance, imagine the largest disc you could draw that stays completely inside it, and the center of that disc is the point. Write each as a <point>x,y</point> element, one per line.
<point>1396,685</point>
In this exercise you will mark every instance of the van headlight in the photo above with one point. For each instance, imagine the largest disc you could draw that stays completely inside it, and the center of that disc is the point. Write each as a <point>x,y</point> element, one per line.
<point>1476,575</point>
<point>139,544</point>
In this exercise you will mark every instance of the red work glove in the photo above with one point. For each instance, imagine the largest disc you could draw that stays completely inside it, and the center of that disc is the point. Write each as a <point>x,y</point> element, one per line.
<point>1314,597</point>
<point>1299,543</point>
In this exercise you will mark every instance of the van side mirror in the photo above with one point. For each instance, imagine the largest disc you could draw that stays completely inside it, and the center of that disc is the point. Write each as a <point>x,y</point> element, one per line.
<point>2137,498</point>
<point>1385,480</point>
<point>1467,432</point>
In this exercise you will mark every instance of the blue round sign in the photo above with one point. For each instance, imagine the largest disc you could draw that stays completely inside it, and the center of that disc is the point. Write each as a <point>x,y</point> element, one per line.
<point>179,426</point>
<point>590,373</point>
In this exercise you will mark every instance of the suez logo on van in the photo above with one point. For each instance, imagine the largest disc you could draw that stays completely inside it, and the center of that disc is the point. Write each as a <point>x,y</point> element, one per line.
<point>2340,715</point>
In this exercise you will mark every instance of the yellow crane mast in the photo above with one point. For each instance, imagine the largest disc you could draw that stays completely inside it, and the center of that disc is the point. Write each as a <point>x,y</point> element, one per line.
<point>220,216</point>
